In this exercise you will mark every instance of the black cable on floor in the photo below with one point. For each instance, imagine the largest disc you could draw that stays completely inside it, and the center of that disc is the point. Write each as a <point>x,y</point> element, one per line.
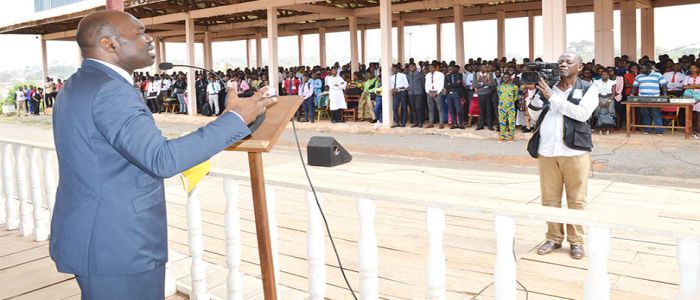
<point>328,229</point>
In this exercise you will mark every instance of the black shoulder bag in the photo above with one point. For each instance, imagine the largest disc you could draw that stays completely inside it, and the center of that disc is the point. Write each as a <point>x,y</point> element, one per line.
<point>533,145</point>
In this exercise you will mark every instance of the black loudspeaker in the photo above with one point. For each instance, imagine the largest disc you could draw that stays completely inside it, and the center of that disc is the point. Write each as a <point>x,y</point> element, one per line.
<point>325,151</point>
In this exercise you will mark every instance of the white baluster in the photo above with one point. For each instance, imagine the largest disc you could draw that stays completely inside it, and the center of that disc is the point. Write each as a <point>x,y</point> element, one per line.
<point>25,215</point>
<point>170,286</point>
<point>315,249</point>
<point>688,252</point>
<point>49,181</point>
<point>271,195</point>
<point>367,250</point>
<point>597,284</point>
<point>41,229</point>
<point>3,212</point>
<point>232,221</point>
<point>196,240</point>
<point>11,219</point>
<point>435,261</point>
<point>504,267</point>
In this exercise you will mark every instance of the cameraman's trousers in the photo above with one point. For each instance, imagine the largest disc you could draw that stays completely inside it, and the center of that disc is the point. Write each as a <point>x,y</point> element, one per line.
<point>559,173</point>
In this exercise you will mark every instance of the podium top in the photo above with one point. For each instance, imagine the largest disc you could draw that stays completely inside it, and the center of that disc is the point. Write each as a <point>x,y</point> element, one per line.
<point>277,117</point>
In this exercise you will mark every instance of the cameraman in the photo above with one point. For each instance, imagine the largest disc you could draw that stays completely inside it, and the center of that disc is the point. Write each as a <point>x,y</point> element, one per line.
<point>564,147</point>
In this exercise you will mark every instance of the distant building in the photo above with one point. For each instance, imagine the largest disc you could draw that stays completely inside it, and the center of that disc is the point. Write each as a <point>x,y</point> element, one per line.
<point>41,5</point>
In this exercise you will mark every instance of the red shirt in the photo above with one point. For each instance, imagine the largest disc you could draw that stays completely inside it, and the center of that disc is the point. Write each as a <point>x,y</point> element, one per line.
<point>291,86</point>
<point>629,81</point>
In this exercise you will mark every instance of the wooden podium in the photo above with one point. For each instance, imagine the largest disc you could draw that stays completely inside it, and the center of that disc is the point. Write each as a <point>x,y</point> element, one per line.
<point>262,140</point>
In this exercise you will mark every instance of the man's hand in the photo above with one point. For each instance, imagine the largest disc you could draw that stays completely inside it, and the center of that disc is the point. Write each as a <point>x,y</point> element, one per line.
<point>544,89</point>
<point>248,108</point>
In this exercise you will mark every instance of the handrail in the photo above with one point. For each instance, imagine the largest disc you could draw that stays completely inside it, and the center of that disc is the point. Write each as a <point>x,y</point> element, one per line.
<point>647,225</point>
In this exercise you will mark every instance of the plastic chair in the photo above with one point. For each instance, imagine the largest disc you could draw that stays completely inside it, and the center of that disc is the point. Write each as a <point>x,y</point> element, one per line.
<point>322,106</point>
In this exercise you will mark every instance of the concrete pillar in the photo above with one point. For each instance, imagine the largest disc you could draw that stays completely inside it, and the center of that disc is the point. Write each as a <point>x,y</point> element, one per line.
<point>648,33</point>
<point>189,52</point>
<point>258,50</point>
<point>363,38</point>
<point>156,45</point>
<point>501,36</point>
<point>531,34</point>
<point>163,56</point>
<point>208,53</point>
<point>322,46</point>
<point>628,28</point>
<point>272,46</point>
<point>554,25</point>
<point>354,64</point>
<point>300,47</point>
<point>248,58</point>
<point>438,42</point>
<point>114,5</point>
<point>459,34</point>
<point>44,62</point>
<point>603,24</point>
<point>400,41</point>
<point>385,44</point>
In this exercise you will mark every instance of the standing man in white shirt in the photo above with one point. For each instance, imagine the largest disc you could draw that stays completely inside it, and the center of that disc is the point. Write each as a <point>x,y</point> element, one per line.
<point>434,84</point>
<point>565,144</point>
<point>21,102</point>
<point>336,95</point>
<point>399,87</point>
<point>468,81</point>
<point>675,80</point>
<point>213,89</point>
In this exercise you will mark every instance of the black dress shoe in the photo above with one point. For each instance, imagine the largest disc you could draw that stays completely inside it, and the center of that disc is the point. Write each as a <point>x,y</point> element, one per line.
<point>373,121</point>
<point>453,127</point>
<point>491,128</point>
<point>526,130</point>
<point>414,125</point>
<point>480,128</point>
<point>392,126</point>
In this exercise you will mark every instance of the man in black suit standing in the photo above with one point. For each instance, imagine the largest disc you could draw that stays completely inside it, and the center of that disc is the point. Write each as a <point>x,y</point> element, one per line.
<point>201,89</point>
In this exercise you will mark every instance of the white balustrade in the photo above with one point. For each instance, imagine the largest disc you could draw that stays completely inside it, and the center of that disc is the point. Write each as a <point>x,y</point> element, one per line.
<point>232,227</point>
<point>597,283</point>
<point>688,252</point>
<point>316,249</point>
<point>170,284</point>
<point>367,250</point>
<point>25,216</point>
<point>271,195</point>
<point>3,197</point>
<point>504,269</point>
<point>11,219</point>
<point>196,240</point>
<point>41,231</point>
<point>49,181</point>
<point>435,261</point>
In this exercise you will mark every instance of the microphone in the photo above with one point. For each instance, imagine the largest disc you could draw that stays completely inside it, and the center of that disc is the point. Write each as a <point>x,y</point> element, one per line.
<point>168,66</point>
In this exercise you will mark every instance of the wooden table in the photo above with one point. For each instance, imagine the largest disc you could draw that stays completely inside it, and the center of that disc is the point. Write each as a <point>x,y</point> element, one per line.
<point>631,115</point>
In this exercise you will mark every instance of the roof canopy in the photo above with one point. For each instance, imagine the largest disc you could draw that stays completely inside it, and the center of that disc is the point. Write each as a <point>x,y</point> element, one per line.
<point>235,20</point>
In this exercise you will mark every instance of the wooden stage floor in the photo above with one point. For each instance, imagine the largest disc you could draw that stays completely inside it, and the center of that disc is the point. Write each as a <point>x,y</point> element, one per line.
<point>640,266</point>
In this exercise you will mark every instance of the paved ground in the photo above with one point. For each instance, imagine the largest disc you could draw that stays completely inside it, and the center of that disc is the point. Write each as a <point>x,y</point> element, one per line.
<point>664,160</point>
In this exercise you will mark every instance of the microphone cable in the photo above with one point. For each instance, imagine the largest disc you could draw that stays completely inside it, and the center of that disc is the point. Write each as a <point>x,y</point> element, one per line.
<point>323,216</point>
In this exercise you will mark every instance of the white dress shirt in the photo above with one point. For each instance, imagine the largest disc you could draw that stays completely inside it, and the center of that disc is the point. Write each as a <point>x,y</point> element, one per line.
<point>399,81</point>
<point>213,87</point>
<point>604,87</point>
<point>675,83</point>
<point>119,70</point>
<point>468,78</point>
<point>434,82</point>
<point>552,127</point>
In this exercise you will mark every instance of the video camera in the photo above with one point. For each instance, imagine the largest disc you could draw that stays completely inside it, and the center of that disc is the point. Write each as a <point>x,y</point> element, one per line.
<point>547,71</point>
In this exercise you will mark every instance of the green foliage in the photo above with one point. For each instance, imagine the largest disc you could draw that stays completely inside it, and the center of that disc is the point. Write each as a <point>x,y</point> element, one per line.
<point>10,97</point>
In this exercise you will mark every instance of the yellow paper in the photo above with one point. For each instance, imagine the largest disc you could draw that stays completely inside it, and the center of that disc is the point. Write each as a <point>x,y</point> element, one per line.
<point>192,176</point>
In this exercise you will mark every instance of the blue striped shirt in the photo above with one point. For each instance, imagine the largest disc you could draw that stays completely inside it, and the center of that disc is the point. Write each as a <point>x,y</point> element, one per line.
<point>650,85</point>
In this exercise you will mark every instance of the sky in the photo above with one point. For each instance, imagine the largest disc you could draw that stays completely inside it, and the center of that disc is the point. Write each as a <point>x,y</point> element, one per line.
<point>480,40</point>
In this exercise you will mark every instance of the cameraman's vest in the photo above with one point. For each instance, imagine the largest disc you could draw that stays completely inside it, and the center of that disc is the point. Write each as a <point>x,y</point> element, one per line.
<point>577,135</point>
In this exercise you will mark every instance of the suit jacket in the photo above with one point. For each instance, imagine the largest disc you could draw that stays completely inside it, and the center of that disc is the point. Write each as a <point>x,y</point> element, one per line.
<point>110,217</point>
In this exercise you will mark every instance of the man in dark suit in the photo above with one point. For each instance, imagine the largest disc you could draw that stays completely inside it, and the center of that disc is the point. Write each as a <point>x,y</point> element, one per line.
<point>201,89</point>
<point>109,226</point>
